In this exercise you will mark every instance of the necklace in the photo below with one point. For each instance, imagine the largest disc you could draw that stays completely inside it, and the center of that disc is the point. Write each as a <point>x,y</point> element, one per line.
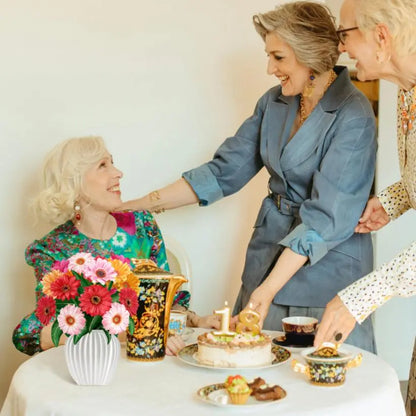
<point>302,110</point>
<point>408,109</point>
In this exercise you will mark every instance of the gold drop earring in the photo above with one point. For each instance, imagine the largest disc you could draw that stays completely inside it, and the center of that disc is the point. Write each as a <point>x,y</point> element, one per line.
<point>310,86</point>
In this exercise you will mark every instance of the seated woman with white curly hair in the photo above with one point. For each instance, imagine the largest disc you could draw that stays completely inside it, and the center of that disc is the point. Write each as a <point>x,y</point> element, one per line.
<point>81,188</point>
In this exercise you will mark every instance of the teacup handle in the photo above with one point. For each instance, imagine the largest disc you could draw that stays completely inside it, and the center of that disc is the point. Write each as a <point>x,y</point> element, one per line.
<point>300,368</point>
<point>355,362</point>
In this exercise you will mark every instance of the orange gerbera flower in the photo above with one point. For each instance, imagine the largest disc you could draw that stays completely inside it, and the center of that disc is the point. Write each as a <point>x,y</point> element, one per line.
<point>122,269</point>
<point>130,281</point>
<point>48,279</point>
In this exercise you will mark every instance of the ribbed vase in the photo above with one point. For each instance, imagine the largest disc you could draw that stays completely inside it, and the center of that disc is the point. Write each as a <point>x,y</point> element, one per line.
<point>92,361</point>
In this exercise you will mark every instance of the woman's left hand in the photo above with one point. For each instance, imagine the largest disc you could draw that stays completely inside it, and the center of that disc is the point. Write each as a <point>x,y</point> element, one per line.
<point>209,321</point>
<point>174,345</point>
<point>336,324</point>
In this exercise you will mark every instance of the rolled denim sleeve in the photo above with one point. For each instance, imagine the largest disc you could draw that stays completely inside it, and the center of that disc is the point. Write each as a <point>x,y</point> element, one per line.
<point>235,162</point>
<point>340,190</point>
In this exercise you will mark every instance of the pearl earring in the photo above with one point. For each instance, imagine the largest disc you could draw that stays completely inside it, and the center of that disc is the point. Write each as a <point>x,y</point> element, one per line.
<point>77,213</point>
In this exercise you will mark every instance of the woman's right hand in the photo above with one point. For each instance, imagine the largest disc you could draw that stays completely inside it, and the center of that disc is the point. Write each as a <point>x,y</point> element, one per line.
<point>46,338</point>
<point>175,195</point>
<point>260,301</point>
<point>374,217</point>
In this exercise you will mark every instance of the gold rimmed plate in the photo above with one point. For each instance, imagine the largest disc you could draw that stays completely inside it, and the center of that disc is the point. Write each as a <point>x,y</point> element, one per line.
<point>217,395</point>
<point>188,355</point>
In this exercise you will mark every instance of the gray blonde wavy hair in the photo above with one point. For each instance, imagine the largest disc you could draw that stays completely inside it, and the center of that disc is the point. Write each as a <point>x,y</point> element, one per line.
<point>308,28</point>
<point>398,15</point>
<point>62,177</point>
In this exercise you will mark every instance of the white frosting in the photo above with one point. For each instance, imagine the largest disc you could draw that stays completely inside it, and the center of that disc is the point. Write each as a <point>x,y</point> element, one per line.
<point>231,355</point>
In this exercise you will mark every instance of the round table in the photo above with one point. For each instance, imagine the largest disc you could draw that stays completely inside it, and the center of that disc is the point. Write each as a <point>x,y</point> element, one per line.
<point>43,386</point>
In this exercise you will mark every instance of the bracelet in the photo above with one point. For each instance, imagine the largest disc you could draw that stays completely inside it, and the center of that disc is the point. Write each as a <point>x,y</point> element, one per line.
<point>155,196</point>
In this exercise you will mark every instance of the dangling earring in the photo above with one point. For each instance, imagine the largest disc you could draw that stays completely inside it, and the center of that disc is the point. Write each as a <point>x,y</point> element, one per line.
<point>310,86</point>
<point>77,213</point>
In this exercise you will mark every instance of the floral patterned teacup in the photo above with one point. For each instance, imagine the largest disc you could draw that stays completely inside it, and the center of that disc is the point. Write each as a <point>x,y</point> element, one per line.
<point>177,323</point>
<point>326,366</point>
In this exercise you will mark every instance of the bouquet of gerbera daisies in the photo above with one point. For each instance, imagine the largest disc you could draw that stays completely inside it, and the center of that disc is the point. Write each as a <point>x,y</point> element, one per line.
<point>85,293</point>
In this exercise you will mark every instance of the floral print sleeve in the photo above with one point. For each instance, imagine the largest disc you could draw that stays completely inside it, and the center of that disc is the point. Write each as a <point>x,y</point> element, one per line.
<point>26,336</point>
<point>395,278</point>
<point>395,200</point>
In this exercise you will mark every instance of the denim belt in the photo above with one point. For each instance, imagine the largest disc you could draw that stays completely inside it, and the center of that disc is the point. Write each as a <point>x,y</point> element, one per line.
<point>284,206</point>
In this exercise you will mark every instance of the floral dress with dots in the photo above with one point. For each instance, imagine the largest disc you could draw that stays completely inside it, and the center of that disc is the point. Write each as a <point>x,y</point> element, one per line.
<point>137,236</point>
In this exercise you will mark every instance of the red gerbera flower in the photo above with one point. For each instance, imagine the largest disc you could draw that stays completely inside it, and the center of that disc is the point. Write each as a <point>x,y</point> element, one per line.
<point>65,287</point>
<point>45,310</point>
<point>96,300</point>
<point>128,298</point>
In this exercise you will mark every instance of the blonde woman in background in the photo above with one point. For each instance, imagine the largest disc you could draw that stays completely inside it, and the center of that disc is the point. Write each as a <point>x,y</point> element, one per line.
<point>381,36</point>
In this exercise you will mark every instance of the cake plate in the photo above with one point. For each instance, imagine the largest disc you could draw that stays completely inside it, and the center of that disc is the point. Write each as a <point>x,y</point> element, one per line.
<point>188,355</point>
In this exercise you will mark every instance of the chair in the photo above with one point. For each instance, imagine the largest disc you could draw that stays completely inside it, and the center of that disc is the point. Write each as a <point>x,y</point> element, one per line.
<point>178,261</point>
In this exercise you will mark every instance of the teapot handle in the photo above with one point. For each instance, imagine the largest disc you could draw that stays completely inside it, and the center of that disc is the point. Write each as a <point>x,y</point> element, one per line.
<point>300,368</point>
<point>355,362</point>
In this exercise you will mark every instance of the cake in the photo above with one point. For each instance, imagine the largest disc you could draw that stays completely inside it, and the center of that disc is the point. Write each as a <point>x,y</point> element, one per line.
<point>237,350</point>
<point>237,389</point>
<point>247,347</point>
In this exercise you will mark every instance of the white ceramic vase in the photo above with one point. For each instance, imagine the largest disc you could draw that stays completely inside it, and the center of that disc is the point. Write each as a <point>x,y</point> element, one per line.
<point>92,361</point>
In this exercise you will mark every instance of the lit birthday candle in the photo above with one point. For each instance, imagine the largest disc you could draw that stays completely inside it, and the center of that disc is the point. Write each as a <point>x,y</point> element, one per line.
<point>225,321</point>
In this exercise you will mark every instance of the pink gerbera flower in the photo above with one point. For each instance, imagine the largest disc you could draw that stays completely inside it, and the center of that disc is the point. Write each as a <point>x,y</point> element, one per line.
<point>96,300</point>
<point>62,265</point>
<point>80,261</point>
<point>100,271</point>
<point>128,298</point>
<point>116,319</point>
<point>71,320</point>
<point>45,309</point>
<point>65,287</point>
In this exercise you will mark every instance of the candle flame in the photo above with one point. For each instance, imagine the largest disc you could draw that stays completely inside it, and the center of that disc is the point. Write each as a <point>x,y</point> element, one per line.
<point>226,303</point>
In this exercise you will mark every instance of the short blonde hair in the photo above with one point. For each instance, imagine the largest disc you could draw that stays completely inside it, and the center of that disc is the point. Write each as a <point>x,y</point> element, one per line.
<point>398,15</point>
<point>308,28</point>
<point>63,173</point>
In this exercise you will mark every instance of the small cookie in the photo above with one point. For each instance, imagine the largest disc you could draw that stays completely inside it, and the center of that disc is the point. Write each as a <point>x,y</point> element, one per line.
<point>256,384</point>
<point>269,393</point>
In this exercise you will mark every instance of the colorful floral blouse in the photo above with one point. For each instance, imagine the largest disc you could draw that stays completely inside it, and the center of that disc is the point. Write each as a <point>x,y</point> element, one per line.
<point>397,277</point>
<point>137,236</point>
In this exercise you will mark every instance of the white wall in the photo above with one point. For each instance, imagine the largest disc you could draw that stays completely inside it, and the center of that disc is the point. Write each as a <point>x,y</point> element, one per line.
<point>164,82</point>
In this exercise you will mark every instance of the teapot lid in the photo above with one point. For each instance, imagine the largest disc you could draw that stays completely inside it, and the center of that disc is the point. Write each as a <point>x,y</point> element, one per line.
<point>147,267</point>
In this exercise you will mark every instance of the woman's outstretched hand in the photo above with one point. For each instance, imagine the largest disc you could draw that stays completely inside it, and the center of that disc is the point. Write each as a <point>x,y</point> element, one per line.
<point>336,324</point>
<point>260,301</point>
<point>209,321</point>
<point>374,217</point>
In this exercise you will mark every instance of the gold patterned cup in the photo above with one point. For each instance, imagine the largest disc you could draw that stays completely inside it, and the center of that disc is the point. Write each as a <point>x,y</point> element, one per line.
<point>299,330</point>
<point>326,370</point>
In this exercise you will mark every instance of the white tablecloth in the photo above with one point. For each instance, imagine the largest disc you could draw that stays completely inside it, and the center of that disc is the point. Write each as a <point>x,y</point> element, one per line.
<point>42,386</point>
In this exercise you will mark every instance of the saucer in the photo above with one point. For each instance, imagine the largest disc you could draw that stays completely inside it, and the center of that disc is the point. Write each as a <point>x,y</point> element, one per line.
<point>284,342</point>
